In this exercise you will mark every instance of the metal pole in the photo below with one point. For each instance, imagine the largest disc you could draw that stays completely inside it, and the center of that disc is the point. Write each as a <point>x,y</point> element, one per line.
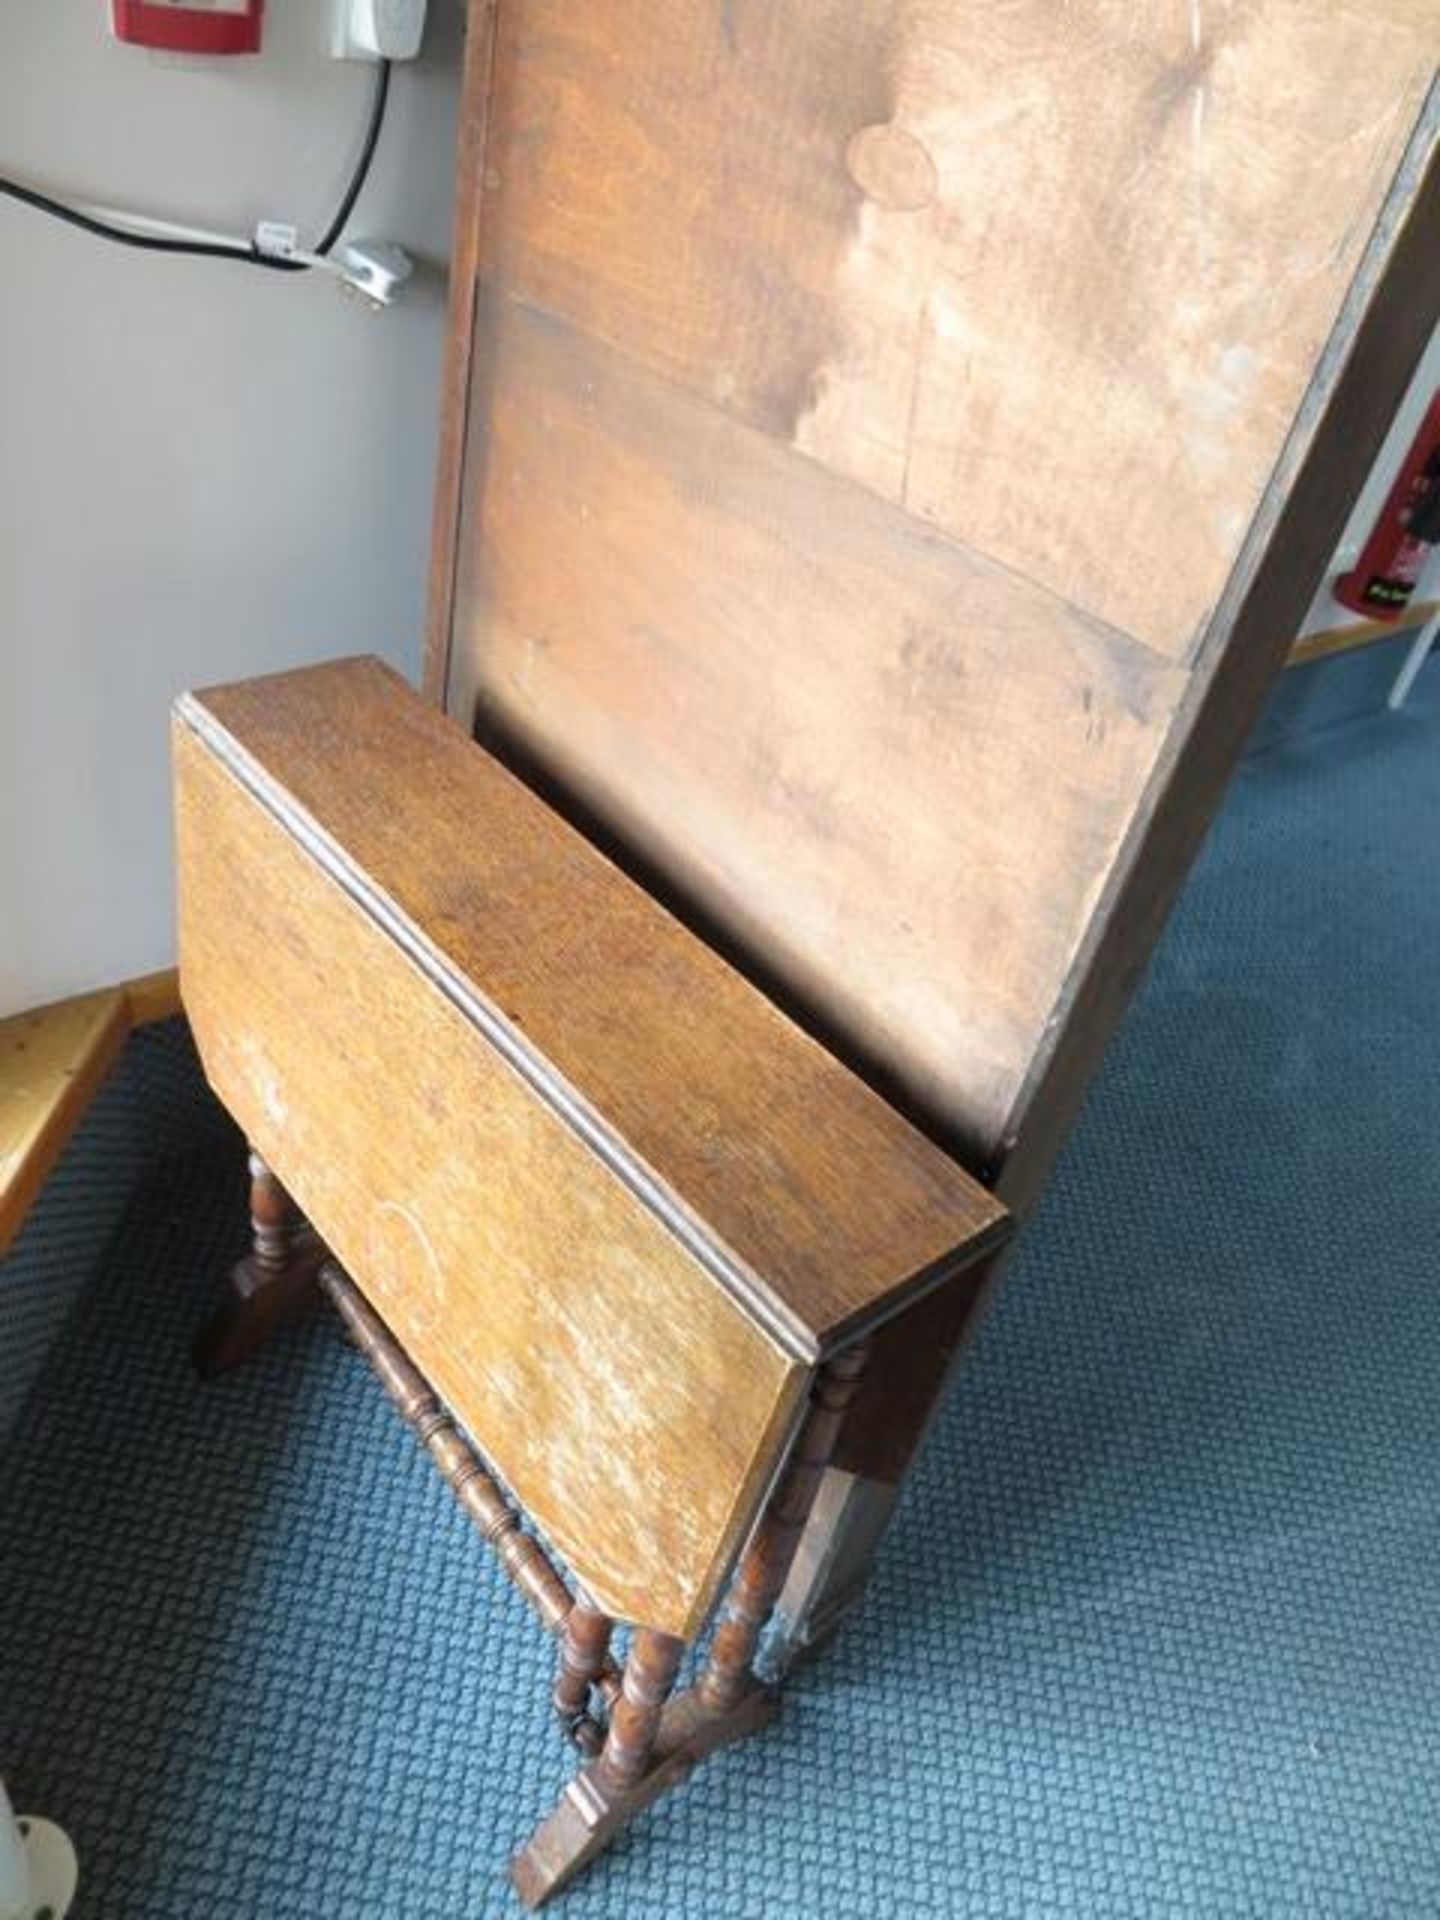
<point>1414,661</point>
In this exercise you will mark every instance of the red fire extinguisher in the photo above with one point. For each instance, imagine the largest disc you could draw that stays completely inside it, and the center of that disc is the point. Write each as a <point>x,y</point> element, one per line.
<point>1382,580</point>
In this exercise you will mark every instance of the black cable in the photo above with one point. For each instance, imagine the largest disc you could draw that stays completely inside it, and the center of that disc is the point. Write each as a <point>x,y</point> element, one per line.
<point>126,237</point>
<point>362,166</point>
<point>248,255</point>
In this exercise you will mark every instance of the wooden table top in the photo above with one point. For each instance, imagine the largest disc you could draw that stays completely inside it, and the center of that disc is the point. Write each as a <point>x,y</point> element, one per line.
<point>827,1208</point>
<point>611,1201</point>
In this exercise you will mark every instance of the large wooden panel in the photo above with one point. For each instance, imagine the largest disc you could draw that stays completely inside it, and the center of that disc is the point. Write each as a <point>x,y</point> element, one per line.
<point>814,1199</point>
<point>878,411</point>
<point>633,1406</point>
<point>886,764</point>
<point>1054,277</point>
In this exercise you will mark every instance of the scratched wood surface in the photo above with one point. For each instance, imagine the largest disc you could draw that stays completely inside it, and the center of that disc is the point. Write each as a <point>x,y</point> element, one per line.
<point>632,1407</point>
<point>851,803</point>
<point>805,1177</point>
<point>868,404</point>
<point>1037,272</point>
<point>609,1199</point>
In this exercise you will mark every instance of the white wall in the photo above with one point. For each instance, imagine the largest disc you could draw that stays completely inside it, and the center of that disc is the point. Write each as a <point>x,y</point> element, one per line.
<point>205,470</point>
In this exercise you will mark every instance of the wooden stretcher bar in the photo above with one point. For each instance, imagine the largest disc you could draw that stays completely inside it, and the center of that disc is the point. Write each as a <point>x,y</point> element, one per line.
<point>637,1736</point>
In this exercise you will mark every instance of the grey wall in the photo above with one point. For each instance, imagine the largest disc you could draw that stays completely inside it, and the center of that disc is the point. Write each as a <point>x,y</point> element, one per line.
<point>205,470</point>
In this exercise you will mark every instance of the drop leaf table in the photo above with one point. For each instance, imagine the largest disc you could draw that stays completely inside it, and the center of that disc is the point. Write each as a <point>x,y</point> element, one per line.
<point>886,447</point>
<point>614,1230</point>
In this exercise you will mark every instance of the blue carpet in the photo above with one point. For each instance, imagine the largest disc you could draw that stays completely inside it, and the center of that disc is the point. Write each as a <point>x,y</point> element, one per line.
<point>147,1109</point>
<point>1154,1634</point>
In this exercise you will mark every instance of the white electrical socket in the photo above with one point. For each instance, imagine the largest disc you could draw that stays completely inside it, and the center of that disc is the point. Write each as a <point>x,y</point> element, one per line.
<point>378,29</point>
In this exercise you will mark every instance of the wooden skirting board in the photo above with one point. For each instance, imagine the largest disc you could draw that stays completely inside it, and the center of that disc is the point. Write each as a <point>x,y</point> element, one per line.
<point>52,1062</point>
<point>1360,633</point>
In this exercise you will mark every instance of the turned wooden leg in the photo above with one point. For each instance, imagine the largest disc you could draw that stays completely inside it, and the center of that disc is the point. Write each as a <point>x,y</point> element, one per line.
<point>729,1673</point>
<point>273,1284</point>
<point>634,1767</point>
<point>912,1367</point>
<point>584,1659</point>
<point>655,1741</point>
<point>650,1671</point>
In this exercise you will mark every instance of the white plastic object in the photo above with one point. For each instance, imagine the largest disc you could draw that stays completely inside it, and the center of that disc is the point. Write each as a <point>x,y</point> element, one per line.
<point>38,1869</point>
<point>1420,651</point>
<point>375,269</point>
<point>378,29</point>
<point>277,239</point>
<point>1424,642</point>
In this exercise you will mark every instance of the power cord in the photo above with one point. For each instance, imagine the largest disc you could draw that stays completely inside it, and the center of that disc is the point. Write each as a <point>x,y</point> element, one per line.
<point>362,168</point>
<point>248,252</point>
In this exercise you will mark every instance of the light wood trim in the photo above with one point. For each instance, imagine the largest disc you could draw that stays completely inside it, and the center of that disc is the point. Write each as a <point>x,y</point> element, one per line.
<point>1360,633</point>
<point>154,996</point>
<point>53,1061</point>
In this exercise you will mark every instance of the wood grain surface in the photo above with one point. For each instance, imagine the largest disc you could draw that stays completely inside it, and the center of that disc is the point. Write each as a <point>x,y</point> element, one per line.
<point>1037,273</point>
<point>635,1410</point>
<point>1320,643</point>
<point>1111,304</point>
<point>53,1061</point>
<point>874,415</point>
<point>884,763</point>
<point>1390,313</point>
<point>835,1208</point>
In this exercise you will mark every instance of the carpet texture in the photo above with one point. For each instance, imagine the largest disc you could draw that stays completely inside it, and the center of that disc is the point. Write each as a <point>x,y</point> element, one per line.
<point>1154,1633</point>
<point>151,1105</point>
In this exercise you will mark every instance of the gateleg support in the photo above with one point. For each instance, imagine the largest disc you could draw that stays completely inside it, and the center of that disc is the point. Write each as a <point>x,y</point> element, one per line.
<point>655,1741</point>
<point>592,1813</point>
<point>274,1284</point>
